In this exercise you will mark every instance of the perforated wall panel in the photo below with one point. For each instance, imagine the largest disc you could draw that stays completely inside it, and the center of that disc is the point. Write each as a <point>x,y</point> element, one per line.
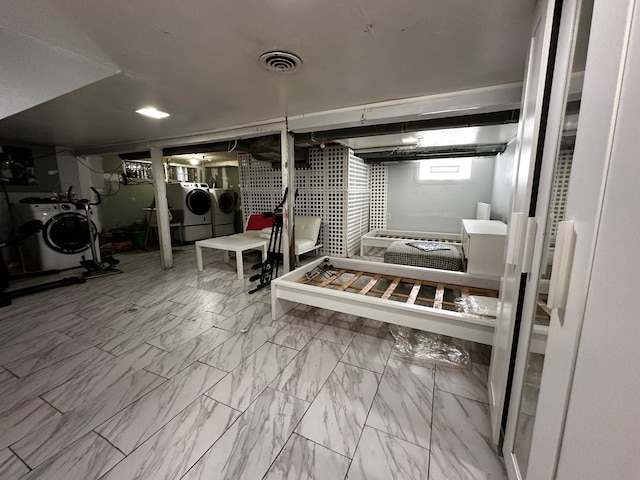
<point>378,198</point>
<point>561,177</point>
<point>333,179</point>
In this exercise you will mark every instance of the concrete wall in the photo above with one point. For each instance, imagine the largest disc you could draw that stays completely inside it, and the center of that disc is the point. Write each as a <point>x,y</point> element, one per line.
<point>436,206</point>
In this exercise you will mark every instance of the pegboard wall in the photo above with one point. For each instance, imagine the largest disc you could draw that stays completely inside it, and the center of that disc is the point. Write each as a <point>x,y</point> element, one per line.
<point>379,175</point>
<point>325,189</point>
<point>358,208</point>
<point>558,201</point>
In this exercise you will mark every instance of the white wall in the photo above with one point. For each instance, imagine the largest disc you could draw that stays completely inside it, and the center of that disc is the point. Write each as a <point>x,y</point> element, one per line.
<point>437,206</point>
<point>502,183</point>
<point>602,431</point>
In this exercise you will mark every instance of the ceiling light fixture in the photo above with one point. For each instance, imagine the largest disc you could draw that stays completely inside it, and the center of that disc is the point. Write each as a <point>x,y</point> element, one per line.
<point>410,140</point>
<point>152,112</point>
<point>194,161</point>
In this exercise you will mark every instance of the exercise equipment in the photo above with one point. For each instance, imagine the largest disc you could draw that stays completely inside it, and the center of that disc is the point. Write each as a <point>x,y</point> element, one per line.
<point>29,228</point>
<point>269,268</point>
<point>95,268</point>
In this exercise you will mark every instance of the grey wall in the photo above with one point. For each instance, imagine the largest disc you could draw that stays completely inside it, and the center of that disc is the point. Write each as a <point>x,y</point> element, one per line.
<point>436,206</point>
<point>502,181</point>
<point>126,206</point>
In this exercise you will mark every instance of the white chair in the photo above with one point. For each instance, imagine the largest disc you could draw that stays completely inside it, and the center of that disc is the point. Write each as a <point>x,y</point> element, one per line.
<point>307,230</point>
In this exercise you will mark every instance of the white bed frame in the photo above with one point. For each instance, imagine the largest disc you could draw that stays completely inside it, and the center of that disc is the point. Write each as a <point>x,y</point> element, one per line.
<point>286,292</point>
<point>384,238</point>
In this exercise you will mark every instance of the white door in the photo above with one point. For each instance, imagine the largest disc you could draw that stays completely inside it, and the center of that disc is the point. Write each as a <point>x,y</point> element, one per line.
<point>514,281</point>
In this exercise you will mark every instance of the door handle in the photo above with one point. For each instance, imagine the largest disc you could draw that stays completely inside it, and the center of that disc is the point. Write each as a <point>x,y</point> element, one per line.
<point>562,263</point>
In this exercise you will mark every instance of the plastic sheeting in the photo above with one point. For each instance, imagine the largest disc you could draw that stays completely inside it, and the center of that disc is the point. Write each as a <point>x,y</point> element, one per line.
<point>424,348</point>
<point>477,306</point>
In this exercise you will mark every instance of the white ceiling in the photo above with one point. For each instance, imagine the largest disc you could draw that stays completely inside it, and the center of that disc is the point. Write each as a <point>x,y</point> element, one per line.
<point>198,60</point>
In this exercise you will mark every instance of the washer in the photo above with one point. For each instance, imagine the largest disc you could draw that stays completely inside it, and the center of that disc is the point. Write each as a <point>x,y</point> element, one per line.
<point>195,203</point>
<point>223,205</point>
<point>63,241</point>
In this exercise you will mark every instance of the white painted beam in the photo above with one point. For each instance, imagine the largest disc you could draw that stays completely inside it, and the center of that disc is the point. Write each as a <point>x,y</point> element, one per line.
<point>162,208</point>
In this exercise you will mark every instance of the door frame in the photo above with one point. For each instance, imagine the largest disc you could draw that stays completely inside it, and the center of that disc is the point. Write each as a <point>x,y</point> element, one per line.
<point>569,16</point>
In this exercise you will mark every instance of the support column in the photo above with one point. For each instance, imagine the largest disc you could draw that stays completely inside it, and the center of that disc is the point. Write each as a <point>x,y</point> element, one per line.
<point>288,177</point>
<point>162,207</point>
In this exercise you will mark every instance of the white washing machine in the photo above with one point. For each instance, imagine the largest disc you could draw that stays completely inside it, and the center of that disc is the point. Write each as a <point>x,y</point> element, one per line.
<point>194,201</point>
<point>223,206</point>
<point>64,239</point>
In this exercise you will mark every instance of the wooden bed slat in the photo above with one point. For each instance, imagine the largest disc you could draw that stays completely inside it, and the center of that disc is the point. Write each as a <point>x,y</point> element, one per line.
<point>332,278</point>
<point>414,292</point>
<point>464,292</point>
<point>351,280</point>
<point>437,302</point>
<point>392,287</point>
<point>370,285</point>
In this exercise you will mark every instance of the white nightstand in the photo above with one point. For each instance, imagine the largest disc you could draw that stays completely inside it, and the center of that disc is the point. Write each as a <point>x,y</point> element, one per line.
<point>483,244</point>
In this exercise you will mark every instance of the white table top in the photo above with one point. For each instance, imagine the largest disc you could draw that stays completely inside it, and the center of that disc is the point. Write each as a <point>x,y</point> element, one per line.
<point>232,242</point>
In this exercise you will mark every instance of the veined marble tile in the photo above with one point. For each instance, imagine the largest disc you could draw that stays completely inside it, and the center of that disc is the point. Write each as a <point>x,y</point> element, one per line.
<point>37,327</point>
<point>383,457</point>
<point>304,376</point>
<point>402,407</point>
<point>136,317</point>
<point>301,459</point>
<point>337,415</point>
<point>368,350</point>
<point>51,438</point>
<point>461,445</point>
<point>31,346</point>
<point>95,335</point>
<point>469,384</point>
<point>86,459</point>
<point>206,299</point>
<point>86,385</point>
<point>196,311</point>
<point>293,335</point>
<point>251,377</point>
<point>128,341</point>
<point>340,331</point>
<point>18,421</point>
<point>247,449</point>
<point>235,350</point>
<point>103,316</point>
<point>19,389</point>
<point>188,353</point>
<point>173,450</point>
<point>522,440</point>
<point>45,357</point>
<point>5,376</point>
<point>11,468</point>
<point>245,317</point>
<point>180,334</point>
<point>232,305</point>
<point>132,426</point>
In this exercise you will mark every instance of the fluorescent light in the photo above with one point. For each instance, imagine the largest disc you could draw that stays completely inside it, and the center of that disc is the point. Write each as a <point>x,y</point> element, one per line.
<point>410,140</point>
<point>152,112</point>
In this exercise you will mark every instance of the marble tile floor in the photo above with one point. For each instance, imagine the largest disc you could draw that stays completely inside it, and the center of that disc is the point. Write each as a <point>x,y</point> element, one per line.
<point>181,374</point>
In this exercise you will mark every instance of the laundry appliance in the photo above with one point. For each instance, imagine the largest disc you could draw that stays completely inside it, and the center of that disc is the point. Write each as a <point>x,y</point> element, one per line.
<point>194,200</point>
<point>64,239</point>
<point>223,205</point>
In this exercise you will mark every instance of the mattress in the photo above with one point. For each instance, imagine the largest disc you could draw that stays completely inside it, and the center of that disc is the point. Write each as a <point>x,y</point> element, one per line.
<point>446,257</point>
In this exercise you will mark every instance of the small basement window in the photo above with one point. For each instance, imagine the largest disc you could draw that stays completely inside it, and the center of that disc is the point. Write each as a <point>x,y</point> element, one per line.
<point>445,169</point>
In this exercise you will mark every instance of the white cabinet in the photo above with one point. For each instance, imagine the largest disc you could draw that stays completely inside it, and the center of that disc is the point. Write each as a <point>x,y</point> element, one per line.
<point>483,243</point>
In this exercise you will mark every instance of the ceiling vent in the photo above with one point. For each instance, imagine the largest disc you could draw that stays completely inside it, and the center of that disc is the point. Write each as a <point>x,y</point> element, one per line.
<point>280,62</point>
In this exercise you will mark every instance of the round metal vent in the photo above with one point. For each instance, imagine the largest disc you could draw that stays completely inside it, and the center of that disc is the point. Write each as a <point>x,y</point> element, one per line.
<point>281,62</point>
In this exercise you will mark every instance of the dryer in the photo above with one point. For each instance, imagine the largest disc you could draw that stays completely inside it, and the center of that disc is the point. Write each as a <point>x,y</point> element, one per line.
<point>64,239</point>
<point>195,203</point>
<point>223,205</point>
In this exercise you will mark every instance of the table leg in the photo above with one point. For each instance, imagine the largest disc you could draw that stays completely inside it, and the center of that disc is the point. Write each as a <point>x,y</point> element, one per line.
<point>264,252</point>
<point>239,264</point>
<point>199,257</point>
<point>226,256</point>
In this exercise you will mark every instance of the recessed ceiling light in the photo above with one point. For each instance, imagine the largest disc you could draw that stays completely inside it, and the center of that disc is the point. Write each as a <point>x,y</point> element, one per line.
<point>152,112</point>
<point>410,140</point>
<point>194,161</point>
